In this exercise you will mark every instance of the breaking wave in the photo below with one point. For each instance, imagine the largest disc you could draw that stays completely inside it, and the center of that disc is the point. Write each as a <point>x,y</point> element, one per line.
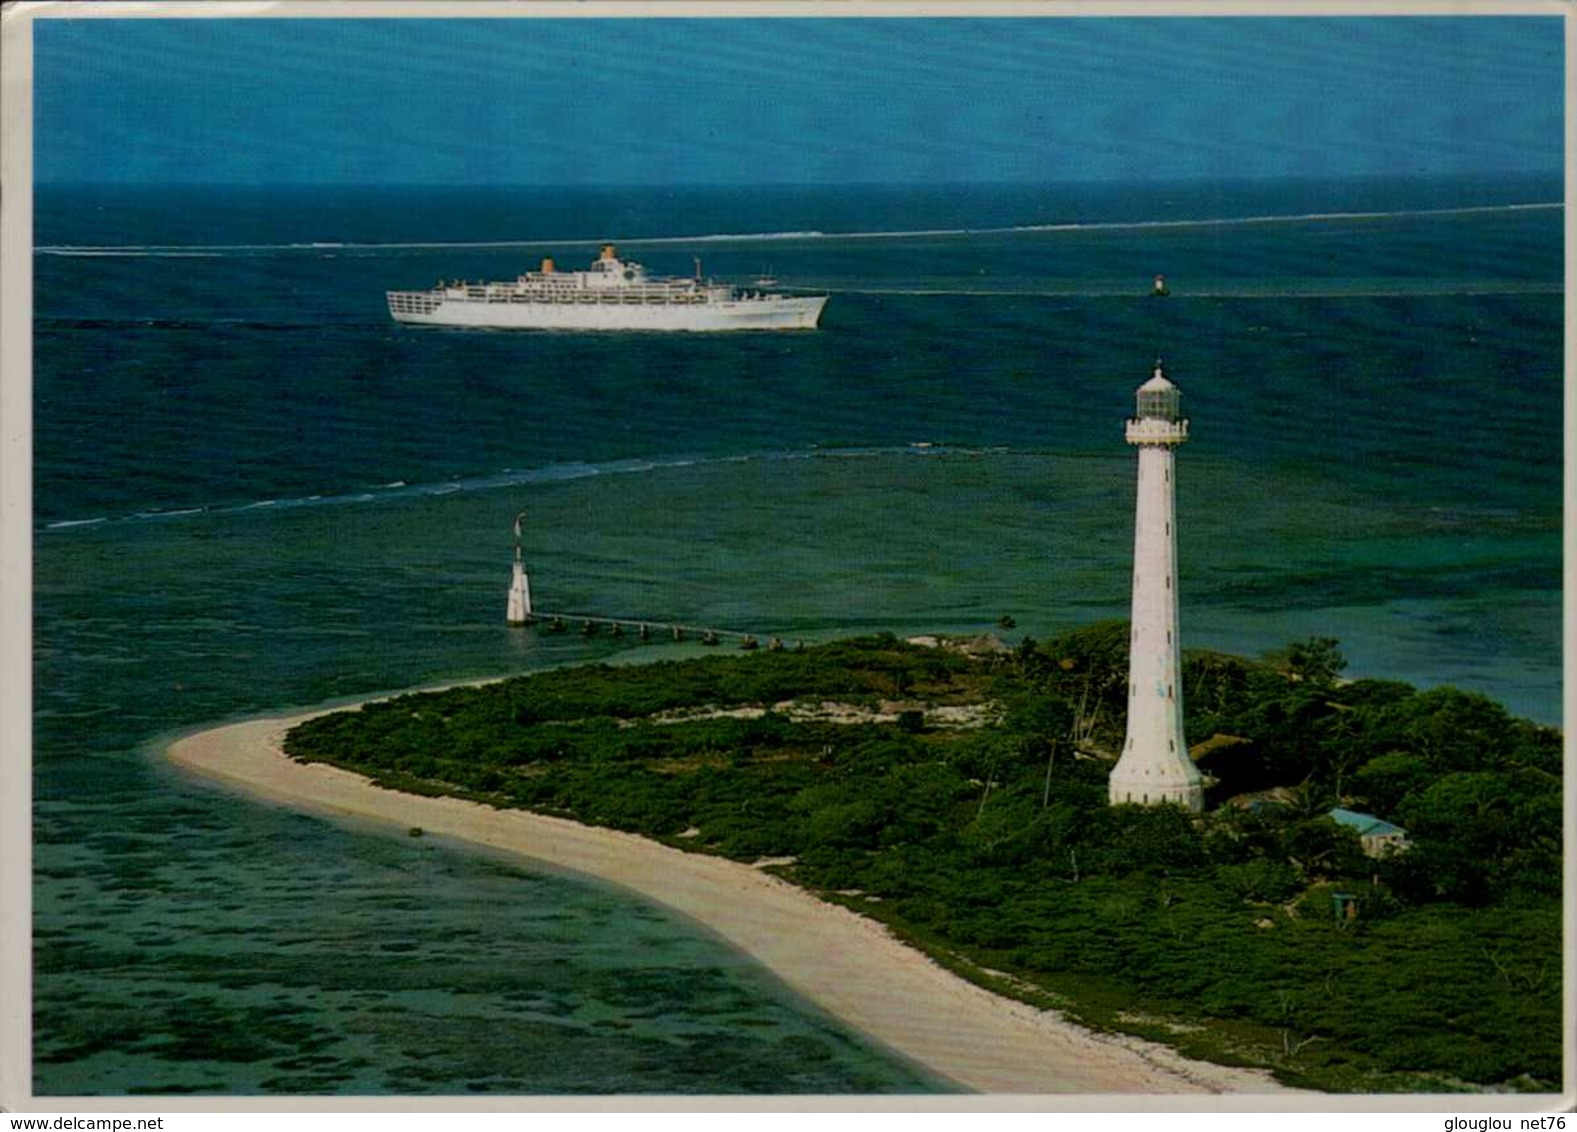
<point>511,477</point>
<point>324,248</point>
<point>1314,289</point>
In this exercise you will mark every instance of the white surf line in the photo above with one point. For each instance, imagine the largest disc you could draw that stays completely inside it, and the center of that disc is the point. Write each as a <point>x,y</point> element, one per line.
<point>134,252</point>
<point>545,476</point>
<point>1122,225</point>
<point>1119,292</point>
<point>811,234</point>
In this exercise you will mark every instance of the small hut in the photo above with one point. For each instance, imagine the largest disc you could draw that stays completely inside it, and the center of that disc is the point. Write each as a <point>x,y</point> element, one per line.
<point>1379,838</point>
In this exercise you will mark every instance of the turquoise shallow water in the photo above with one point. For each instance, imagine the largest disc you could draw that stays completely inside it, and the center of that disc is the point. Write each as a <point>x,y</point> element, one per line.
<point>251,500</point>
<point>353,962</point>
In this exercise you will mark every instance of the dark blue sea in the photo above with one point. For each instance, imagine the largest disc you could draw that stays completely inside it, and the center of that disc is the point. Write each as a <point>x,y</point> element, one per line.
<point>254,492</point>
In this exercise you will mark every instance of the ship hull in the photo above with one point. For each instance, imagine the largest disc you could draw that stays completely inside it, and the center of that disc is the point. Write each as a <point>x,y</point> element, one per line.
<point>418,308</point>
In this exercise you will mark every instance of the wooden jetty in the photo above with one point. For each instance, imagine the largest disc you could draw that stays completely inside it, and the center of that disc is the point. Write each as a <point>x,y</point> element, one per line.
<point>521,612</point>
<point>590,624</point>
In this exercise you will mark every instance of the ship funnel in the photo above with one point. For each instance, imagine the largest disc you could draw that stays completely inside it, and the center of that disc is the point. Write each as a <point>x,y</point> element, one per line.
<point>547,265</point>
<point>608,252</point>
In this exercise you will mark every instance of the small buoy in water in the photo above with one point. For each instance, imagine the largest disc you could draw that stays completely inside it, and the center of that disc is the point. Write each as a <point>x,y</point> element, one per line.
<point>748,643</point>
<point>618,630</point>
<point>1160,288</point>
<point>710,638</point>
<point>587,628</point>
<point>775,644</point>
<point>678,633</point>
<point>646,632</point>
<point>557,626</point>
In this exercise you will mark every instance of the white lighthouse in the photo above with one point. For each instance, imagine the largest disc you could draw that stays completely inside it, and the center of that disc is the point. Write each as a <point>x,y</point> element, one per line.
<point>1155,766</point>
<point>519,585</point>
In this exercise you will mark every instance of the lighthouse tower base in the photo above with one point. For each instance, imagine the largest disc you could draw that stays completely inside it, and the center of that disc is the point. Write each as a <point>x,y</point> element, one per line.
<point>1147,786</point>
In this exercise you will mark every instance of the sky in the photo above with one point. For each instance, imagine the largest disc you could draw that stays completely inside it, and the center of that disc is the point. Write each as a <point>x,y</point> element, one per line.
<point>650,101</point>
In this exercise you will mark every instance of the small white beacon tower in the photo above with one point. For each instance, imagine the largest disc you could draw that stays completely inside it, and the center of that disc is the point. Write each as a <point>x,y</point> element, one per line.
<point>519,585</point>
<point>1154,767</point>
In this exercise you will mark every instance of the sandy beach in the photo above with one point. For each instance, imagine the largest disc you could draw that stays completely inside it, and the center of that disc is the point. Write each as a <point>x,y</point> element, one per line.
<point>849,966</point>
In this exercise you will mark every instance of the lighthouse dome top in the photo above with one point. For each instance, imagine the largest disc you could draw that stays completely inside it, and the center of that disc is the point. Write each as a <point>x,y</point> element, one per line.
<point>1158,398</point>
<point>1158,380</point>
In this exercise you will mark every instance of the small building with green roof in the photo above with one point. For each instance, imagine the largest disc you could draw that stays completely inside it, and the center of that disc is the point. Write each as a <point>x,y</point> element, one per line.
<point>1379,837</point>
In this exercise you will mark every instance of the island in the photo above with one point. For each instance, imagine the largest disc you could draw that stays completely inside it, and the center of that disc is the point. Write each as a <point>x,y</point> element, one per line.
<point>916,836</point>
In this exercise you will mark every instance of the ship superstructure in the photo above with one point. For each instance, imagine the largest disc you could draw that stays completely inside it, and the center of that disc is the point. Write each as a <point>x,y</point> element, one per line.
<point>613,294</point>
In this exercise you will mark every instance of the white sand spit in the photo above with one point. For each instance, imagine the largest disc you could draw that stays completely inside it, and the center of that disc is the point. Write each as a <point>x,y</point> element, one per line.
<point>850,966</point>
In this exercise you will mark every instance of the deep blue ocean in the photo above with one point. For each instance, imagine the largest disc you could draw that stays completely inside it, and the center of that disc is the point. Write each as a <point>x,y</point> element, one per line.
<point>255,492</point>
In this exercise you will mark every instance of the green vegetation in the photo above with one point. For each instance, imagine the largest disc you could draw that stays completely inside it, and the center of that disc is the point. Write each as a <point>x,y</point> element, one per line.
<point>962,801</point>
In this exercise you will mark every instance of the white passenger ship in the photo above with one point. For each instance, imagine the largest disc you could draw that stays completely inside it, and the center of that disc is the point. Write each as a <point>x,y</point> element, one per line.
<point>614,294</point>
